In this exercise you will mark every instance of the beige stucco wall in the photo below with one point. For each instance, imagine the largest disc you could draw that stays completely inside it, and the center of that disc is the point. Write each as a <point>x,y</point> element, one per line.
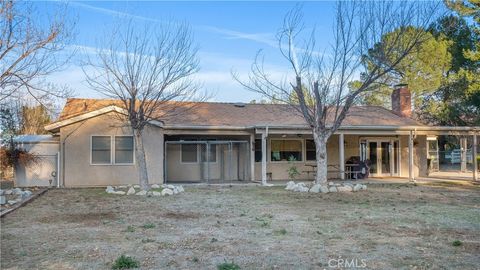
<point>79,172</point>
<point>75,144</point>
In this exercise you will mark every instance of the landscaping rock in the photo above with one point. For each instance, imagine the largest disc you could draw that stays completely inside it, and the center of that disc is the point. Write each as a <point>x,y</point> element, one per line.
<point>26,194</point>
<point>12,202</point>
<point>109,189</point>
<point>364,187</point>
<point>300,187</point>
<point>315,188</point>
<point>344,189</point>
<point>333,189</point>
<point>136,186</point>
<point>3,200</point>
<point>324,189</point>
<point>118,192</point>
<point>17,191</point>
<point>1,192</point>
<point>131,191</point>
<point>141,193</point>
<point>290,185</point>
<point>167,191</point>
<point>8,192</point>
<point>155,186</point>
<point>156,193</point>
<point>175,190</point>
<point>168,186</point>
<point>357,187</point>
<point>180,189</point>
<point>122,187</point>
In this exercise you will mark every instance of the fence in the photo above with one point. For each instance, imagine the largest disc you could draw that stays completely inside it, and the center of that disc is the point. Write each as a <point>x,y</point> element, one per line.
<point>207,161</point>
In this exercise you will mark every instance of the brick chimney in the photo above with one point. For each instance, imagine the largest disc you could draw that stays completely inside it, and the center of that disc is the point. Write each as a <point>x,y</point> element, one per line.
<point>402,100</point>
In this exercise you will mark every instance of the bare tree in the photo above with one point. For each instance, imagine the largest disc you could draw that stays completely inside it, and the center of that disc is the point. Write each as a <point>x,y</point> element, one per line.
<point>149,72</point>
<point>29,51</point>
<point>319,80</point>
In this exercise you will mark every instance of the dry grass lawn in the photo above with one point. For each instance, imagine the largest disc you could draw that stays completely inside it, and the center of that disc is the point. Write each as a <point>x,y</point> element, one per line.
<point>389,226</point>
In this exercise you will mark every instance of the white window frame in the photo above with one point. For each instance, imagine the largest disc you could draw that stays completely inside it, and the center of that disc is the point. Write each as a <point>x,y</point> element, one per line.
<point>133,152</point>
<point>91,150</point>
<point>302,141</point>
<point>181,154</point>
<point>112,150</point>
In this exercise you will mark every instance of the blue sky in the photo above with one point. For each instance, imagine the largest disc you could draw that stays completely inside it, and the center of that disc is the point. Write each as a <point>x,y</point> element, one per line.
<point>229,34</point>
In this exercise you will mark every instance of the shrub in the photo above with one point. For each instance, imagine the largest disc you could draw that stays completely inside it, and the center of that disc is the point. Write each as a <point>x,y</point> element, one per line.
<point>10,156</point>
<point>148,226</point>
<point>130,229</point>
<point>457,243</point>
<point>125,262</point>
<point>282,231</point>
<point>228,266</point>
<point>292,170</point>
<point>148,240</point>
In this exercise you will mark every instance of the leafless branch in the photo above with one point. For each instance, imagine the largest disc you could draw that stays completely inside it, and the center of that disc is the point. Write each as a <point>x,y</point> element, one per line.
<point>30,52</point>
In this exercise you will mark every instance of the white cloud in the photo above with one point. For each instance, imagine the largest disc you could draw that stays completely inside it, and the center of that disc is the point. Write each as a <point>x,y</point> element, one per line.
<point>114,12</point>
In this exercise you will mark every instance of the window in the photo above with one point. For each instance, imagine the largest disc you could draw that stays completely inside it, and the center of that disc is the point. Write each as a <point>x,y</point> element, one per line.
<point>101,149</point>
<point>258,150</point>
<point>285,150</point>
<point>189,153</point>
<point>212,157</point>
<point>124,149</point>
<point>310,149</point>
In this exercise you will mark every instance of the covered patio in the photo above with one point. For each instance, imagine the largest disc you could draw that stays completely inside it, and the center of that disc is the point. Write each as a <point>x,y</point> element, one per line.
<point>390,151</point>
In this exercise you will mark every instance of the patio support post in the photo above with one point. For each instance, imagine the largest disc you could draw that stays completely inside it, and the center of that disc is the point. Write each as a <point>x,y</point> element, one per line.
<point>264,158</point>
<point>463,154</point>
<point>252,157</point>
<point>411,177</point>
<point>341,149</point>
<point>474,157</point>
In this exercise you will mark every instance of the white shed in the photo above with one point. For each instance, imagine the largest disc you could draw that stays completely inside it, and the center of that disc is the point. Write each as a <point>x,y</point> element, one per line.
<point>44,172</point>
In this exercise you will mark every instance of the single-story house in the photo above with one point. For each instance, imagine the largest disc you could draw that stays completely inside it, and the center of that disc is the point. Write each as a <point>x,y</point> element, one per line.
<point>224,142</point>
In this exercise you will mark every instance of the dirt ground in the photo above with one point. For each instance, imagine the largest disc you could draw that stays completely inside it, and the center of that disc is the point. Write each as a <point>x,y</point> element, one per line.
<point>389,226</point>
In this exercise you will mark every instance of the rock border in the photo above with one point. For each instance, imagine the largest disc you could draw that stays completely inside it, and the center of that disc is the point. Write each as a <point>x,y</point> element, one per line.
<point>24,202</point>
<point>329,188</point>
<point>167,190</point>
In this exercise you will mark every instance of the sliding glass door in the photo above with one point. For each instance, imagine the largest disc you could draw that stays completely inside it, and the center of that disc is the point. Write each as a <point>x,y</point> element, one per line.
<point>384,156</point>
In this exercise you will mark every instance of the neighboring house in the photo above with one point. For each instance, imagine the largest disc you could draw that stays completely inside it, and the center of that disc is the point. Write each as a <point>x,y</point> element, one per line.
<point>223,142</point>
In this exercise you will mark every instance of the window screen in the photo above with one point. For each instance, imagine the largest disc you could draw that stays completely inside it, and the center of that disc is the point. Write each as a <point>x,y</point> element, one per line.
<point>101,150</point>
<point>310,148</point>
<point>212,155</point>
<point>124,149</point>
<point>258,150</point>
<point>285,150</point>
<point>189,153</point>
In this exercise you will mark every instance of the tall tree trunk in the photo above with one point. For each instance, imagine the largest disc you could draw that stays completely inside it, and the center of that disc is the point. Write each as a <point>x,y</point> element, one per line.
<point>321,156</point>
<point>140,159</point>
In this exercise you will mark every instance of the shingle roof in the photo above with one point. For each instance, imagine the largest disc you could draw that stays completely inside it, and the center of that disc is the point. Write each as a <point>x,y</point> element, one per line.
<point>228,114</point>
